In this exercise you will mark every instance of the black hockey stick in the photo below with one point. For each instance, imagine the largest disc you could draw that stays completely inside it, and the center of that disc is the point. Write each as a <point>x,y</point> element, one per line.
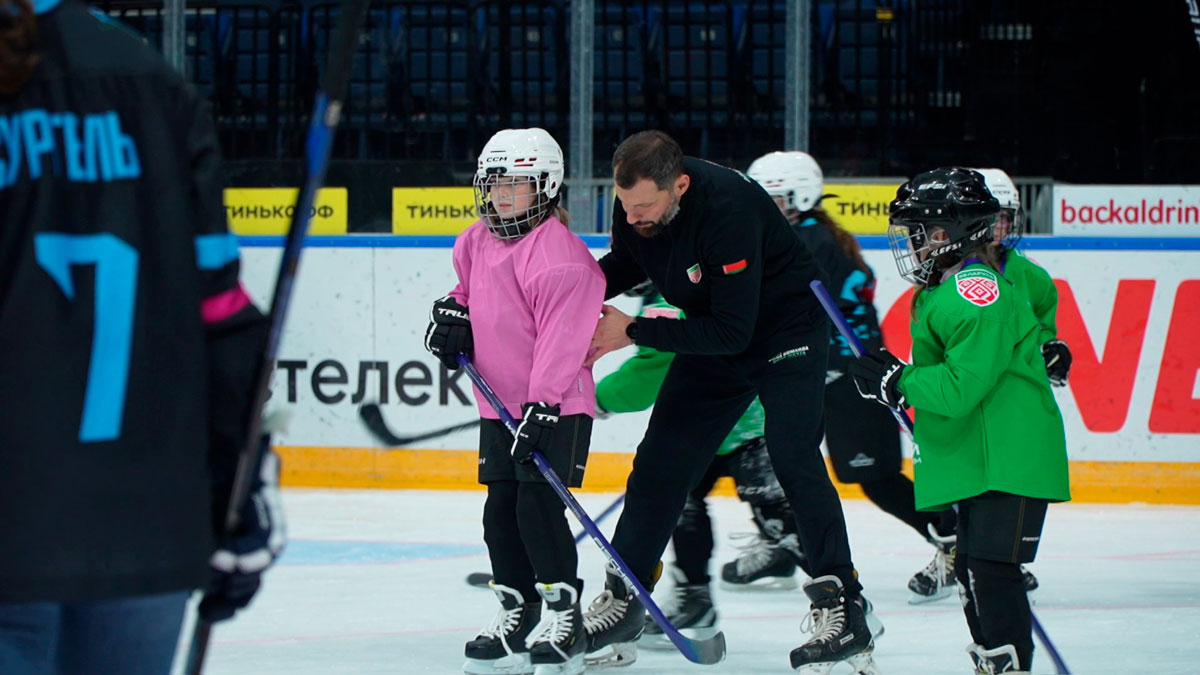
<point>481,579</point>
<point>326,112</point>
<point>372,416</point>
<point>707,651</point>
<point>857,347</point>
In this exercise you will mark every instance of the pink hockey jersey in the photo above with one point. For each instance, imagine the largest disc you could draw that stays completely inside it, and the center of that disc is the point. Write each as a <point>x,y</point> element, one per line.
<point>534,305</point>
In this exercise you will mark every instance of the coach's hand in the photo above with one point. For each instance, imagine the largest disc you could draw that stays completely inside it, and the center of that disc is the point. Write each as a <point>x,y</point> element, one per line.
<point>611,333</point>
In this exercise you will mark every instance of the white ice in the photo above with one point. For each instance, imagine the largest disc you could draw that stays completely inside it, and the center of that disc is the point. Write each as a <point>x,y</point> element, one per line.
<point>373,582</point>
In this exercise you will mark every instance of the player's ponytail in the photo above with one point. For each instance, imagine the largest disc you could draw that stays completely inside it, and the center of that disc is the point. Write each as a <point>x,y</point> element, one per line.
<point>845,239</point>
<point>18,28</point>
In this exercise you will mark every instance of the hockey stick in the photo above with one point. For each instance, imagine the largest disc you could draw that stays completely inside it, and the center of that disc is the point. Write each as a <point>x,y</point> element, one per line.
<point>901,416</point>
<point>327,110</point>
<point>481,579</point>
<point>372,416</point>
<point>856,345</point>
<point>707,652</point>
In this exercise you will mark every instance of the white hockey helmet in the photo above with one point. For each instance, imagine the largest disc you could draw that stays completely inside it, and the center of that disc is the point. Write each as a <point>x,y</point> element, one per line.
<point>793,176</point>
<point>1001,185</point>
<point>515,156</point>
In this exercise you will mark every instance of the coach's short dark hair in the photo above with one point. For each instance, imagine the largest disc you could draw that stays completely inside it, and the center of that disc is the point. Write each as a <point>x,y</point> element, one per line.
<point>647,154</point>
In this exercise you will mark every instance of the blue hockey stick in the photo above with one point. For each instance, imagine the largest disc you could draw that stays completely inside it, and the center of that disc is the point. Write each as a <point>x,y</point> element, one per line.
<point>325,115</point>
<point>707,652</point>
<point>856,346</point>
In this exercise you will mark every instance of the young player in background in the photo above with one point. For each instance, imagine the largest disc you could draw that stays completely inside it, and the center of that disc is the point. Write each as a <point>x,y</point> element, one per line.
<point>989,434</point>
<point>129,353</point>
<point>862,439</point>
<point>528,297</point>
<point>1030,280</point>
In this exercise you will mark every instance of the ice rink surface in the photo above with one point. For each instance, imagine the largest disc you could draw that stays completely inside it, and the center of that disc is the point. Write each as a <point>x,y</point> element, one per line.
<point>373,582</point>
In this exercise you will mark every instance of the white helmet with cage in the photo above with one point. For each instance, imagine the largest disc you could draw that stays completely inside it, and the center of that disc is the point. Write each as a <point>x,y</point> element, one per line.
<point>1001,185</point>
<point>793,176</point>
<point>517,181</point>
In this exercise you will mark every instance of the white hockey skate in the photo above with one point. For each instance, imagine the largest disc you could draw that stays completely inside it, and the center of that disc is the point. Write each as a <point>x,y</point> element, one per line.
<point>937,580</point>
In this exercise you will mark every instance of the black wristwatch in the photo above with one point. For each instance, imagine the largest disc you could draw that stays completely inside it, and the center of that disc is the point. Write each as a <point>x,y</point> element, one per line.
<point>631,331</point>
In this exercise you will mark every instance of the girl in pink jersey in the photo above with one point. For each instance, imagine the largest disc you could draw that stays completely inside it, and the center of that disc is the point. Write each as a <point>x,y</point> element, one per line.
<point>527,301</point>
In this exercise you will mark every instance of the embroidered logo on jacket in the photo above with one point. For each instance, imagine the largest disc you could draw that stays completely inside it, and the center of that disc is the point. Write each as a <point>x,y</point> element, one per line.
<point>977,287</point>
<point>734,268</point>
<point>694,273</point>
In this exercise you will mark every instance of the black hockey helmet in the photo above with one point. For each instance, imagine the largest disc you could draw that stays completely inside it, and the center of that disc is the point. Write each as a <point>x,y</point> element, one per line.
<point>937,219</point>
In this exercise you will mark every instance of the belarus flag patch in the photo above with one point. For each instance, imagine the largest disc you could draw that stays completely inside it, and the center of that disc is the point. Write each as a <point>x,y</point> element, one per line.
<point>734,268</point>
<point>977,287</point>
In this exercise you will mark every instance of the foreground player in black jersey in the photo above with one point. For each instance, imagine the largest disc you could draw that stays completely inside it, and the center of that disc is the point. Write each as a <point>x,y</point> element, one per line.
<point>128,350</point>
<point>717,247</point>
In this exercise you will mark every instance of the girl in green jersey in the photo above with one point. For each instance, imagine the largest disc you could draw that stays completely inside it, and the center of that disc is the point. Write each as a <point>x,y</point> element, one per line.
<point>989,436</point>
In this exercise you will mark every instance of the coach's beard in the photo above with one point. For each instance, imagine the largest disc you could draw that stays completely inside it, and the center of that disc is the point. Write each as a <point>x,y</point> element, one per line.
<point>650,230</point>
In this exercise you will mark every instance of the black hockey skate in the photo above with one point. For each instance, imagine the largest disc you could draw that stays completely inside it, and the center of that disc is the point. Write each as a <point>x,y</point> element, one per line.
<point>614,622</point>
<point>500,646</point>
<point>1002,659</point>
<point>840,632</point>
<point>557,644</point>
<point>937,580</point>
<point>762,566</point>
<point>689,609</point>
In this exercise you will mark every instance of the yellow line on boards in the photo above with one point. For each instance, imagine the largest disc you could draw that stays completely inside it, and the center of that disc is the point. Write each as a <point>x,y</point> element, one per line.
<point>331,467</point>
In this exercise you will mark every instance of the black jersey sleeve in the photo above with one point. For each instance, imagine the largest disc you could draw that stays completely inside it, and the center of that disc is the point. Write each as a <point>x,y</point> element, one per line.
<point>730,256</point>
<point>621,271</point>
<point>235,330</point>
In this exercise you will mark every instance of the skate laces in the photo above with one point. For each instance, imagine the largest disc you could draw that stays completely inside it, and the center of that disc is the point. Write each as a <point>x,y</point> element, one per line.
<point>555,627</point>
<point>504,622</point>
<point>757,553</point>
<point>823,623</point>
<point>604,612</point>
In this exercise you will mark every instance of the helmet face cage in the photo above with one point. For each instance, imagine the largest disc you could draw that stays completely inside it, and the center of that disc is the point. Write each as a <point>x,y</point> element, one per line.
<point>952,200</point>
<point>510,209</point>
<point>1012,222</point>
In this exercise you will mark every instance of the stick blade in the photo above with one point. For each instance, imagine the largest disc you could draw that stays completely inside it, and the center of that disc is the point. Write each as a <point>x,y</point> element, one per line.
<point>706,652</point>
<point>479,579</point>
<point>372,417</point>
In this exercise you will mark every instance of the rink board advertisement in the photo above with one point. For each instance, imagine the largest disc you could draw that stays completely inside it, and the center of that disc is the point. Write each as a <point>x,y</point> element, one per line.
<point>357,322</point>
<point>1127,210</point>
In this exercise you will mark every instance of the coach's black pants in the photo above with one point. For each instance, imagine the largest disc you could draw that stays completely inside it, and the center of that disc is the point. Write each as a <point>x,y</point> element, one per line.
<point>700,400</point>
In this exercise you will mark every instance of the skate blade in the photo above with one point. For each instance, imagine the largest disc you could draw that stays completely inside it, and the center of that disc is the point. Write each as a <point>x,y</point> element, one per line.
<point>764,584</point>
<point>616,655</point>
<point>513,664</point>
<point>943,592</point>
<point>660,642</point>
<point>573,666</point>
<point>859,664</point>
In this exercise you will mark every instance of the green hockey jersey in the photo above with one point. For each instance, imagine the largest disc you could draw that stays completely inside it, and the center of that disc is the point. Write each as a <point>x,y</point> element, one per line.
<point>985,416</point>
<point>1034,283</point>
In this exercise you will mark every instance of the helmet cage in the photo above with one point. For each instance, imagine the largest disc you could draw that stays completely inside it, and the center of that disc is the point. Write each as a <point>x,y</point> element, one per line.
<point>510,224</point>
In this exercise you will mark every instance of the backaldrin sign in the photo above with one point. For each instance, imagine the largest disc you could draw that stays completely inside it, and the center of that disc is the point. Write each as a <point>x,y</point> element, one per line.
<point>1127,210</point>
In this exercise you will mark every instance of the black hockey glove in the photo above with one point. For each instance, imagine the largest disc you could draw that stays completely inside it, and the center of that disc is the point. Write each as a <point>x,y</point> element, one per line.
<point>237,567</point>
<point>1058,361</point>
<point>877,377</point>
<point>535,432</point>
<point>449,332</point>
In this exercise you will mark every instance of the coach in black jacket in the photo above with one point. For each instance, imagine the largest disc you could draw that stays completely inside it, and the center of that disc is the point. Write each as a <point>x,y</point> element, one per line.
<point>716,246</point>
